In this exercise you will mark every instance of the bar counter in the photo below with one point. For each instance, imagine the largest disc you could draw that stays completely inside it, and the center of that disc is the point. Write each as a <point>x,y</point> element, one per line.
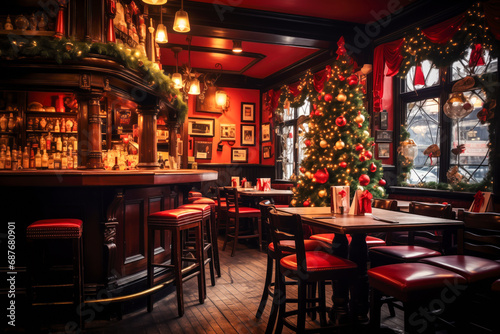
<point>113,205</point>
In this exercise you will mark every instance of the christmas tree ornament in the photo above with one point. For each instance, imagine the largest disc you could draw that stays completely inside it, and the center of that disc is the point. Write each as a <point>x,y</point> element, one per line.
<point>453,175</point>
<point>339,145</point>
<point>328,97</point>
<point>321,176</point>
<point>302,169</point>
<point>382,182</point>
<point>341,97</point>
<point>341,77</point>
<point>364,180</point>
<point>359,119</point>
<point>322,193</point>
<point>352,80</point>
<point>409,149</point>
<point>290,135</point>
<point>341,121</point>
<point>459,149</point>
<point>366,134</point>
<point>140,63</point>
<point>323,144</point>
<point>306,203</point>
<point>457,106</point>
<point>432,151</point>
<point>307,142</point>
<point>308,174</point>
<point>368,155</point>
<point>362,157</point>
<point>317,113</point>
<point>359,148</point>
<point>68,46</point>
<point>343,164</point>
<point>293,202</point>
<point>373,168</point>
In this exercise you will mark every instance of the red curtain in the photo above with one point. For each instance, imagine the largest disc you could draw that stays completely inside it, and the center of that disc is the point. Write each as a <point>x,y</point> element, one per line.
<point>442,33</point>
<point>386,54</point>
<point>491,10</point>
<point>319,80</point>
<point>294,88</point>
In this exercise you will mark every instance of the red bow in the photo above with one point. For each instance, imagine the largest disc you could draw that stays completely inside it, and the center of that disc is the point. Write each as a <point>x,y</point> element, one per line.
<point>478,201</point>
<point>365,202</point>
<point>342,193</point>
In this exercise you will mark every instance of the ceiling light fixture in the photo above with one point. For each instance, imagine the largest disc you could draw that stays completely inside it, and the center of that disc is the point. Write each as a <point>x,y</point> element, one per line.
<point>161,30</point>
<point>181,21</point>
<point>155,2</point>
<point>237,47</point>
<point>177,77</point>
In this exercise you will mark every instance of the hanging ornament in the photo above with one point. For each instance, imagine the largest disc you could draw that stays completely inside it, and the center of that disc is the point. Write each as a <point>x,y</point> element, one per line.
<point>359,119</point>
<point>290,135</point>
<point>487,112</point>
<point>341,97</point>
<point>359,148</point>
<point>362,158</point>
<point>432,151</point>
<point>341,121</point>
<point>453,175</point>
<point>343,164</point>
<point>459,149</point>
<point>352,80</point>
<point>364,180</point>
<point>68,46</point>
<point>373,167</point>
<point>368,155</point>
<point>341,77</point>
<point>409,149</point>
<point>321,176</point>
<point>339,145</point>
<point>323,144</point>
<point>140,63</point>
<point>308,174</point>
<point>302,169</point>
<point>366,134</point>
<point>382,182</point>
<point>328,97</point>
<point>307,142</point>
<point>318,113</point>
<point>293,202</point>
<point>306,203</point>
<point>457,106</point>
<point>322,193</point>
<point>315,106</point>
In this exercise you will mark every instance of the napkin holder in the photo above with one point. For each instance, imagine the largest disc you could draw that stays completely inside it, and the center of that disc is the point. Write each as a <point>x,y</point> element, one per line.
<point>361,203</point>
<point>339,199</point>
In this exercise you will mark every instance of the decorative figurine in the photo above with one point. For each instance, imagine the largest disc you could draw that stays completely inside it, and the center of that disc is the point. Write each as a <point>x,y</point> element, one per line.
<point>22,23</point>
<point>33,22</point>
<point>8,24</point>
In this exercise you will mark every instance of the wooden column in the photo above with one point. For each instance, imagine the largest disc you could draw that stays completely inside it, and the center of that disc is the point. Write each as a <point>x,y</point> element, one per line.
<point>147,136</point>
<point>173,129</point>
<point>89,132</point>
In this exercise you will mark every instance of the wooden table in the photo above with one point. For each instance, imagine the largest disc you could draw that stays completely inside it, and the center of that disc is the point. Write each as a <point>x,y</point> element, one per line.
<point>257,195</point>
<point>357,251</point>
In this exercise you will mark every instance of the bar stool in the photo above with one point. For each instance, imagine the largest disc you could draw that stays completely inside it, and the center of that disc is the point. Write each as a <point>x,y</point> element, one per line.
<point>208,247</point>
<point>176,221</point>
<point>57,229</point>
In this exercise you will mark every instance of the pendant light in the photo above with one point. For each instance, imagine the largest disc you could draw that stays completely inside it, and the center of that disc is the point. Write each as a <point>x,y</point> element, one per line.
<point>155,2</point>
<point>194,89</point>
<point>177,77</point>
<point>237,47</point>
<point>181,21</point>
<point>161,31</point>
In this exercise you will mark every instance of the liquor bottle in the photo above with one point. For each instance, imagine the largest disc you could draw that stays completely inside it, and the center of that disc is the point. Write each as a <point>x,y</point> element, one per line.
<point>43,143</point>
<point>49,140</point>
<point>65,144</point>
<point>57,128</point>
<point>64,161</point>
<point>75,160</point>
<point>63,125</point>
<point>2,159</point>
<point>116,166</point>
<point>59,144</point>
<point>70,161</point>
<point>38,158</point>
<point>8,159</point>
<point>14,163</point>
<point>45,160</point>
<point>57,161</point>
<point>32,158</point>
<point>161,162</point>
<point>26,158</point>
<point>51,161</point>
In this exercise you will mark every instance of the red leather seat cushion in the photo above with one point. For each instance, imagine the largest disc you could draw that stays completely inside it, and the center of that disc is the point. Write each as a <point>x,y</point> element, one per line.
<point>309,245</point>
<point>55,228</point>
<point>328,237</point>
<point>412,281</point>
<point>194,194</point>
<point>202,207</point>
<point>222,202</point>
<point>203,200</point>
<point>175,214</point>
<point>244,210</point>
<point>318,261</point>
<point>406,253</point>
<point>496,286</point>
<point>471,267</point>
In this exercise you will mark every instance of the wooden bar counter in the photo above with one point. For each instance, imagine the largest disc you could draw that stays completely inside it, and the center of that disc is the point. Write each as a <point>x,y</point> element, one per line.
<point>113,205</point>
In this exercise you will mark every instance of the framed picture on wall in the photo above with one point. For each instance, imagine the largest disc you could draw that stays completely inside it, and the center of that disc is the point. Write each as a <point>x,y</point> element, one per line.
<point>266,152</point>
<point>383,136</point>
<point>239,154</point>
<point>384,120</point>
<point>383,150</point>
<point>203,150</point>
<point>208,104</point>
<point>247,135</point>
<point>201,127</point>
<point>266,132</point>
<point>228,132</point>
<point>247,112</point>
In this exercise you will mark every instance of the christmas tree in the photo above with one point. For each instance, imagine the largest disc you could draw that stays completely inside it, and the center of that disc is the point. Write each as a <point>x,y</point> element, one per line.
<point>339,149</point>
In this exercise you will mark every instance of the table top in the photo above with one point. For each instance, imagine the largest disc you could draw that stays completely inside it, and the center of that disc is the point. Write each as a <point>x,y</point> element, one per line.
<point>260,193</point>
<point>379,220</point>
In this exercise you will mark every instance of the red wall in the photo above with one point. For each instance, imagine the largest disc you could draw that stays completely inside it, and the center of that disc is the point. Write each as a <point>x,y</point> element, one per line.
<point>231,116</point>
<point>266,118</point>
<point>388,104</point>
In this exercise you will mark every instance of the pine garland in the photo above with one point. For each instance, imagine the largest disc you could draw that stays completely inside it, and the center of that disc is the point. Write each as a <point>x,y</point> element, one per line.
<point>65,49</point>
<point>405,164</point>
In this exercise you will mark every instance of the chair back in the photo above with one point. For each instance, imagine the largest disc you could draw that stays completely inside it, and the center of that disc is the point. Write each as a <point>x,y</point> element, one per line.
<point>387,204</point>
<point>481,236</point>
<point>264,210</point>
<point>231,198</point>
<point>432,210</point>
<point>288,227</point>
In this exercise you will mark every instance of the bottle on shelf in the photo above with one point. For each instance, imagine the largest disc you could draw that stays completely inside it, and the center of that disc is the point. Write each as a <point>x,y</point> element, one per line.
<point>14,163</point>
<point>48,141</point>
<point>32,158</point>
<point>51,161</point>
<point>45,160</point>
<point>38,159</point>
<point>59,144</point>
<point>70,160</point>
<point>8,159</point>
<point>75,160</point>
<point>116,166</point>
<point>64,161</point>
<point>26,158</point>
<point>57,127</point>
<point>63,125</point>
<point>43,142</point>
<point>57,161</point>
<point>2,159</point>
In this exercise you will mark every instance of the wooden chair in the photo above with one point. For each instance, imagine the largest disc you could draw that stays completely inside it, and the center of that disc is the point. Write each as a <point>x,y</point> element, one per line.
<point>221,207</point>
<point>235,212</point>
<point>303,266</point>
<point>386,204</point>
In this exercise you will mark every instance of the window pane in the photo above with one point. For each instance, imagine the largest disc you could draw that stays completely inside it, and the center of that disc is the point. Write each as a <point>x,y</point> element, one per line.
<point>289,114</point>
<point>305,109</point>
<point>422,122</point>
<point>460,69</point>
<point>473,163</point>
<point>431,76</point>
<point>287,149</point>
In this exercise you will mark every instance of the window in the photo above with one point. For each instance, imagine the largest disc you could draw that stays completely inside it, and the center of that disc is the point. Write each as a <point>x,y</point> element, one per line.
<point>291,146</point>
<point>459,145</point>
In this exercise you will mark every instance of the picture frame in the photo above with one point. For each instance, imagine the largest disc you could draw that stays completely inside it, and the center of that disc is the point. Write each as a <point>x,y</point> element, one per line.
<point>203,150</point>
<point>266,152</point>
<point>384,120</point>
<point>239,154</point>
<point>247,112</point>
<point>383,150</point>
<point>208,104</point>
<point>383,136</point>
<point>228,132</point>
<point>247,135</point>
<point>265,132</point>
<point>201,127</point>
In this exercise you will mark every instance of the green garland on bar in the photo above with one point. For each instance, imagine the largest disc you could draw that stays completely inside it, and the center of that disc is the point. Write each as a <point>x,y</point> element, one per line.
<point>64,49</point>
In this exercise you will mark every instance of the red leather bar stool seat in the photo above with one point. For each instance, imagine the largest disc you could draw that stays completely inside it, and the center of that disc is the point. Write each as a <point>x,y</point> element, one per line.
<point>193,193</point>
<point>474,269</point>
<point>201,200</point>
<point>415,284</point>
<point>176,221</point>
<point>243,210</point>
<point>317,261</point>
<point>383,255</point>
<point>328,237</point>
<point>49,231</point>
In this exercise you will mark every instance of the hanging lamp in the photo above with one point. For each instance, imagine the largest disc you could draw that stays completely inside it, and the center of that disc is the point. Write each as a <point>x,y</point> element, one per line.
<point>161,31</point>
<point>181,21</point>
<point>177,77</point>
<point>237,47</point>
<point>155,2</point>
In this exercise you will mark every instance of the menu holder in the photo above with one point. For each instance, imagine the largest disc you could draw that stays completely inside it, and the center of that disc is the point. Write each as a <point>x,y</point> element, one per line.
<point>339,199</point>
<point>264,184</point>
<point>361,203</point>
<point>235,181</point>
<point>482,202</point>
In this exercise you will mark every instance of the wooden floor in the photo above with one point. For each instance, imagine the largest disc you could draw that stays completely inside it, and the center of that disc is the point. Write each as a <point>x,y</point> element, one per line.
<point>230,306</point>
